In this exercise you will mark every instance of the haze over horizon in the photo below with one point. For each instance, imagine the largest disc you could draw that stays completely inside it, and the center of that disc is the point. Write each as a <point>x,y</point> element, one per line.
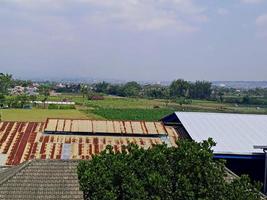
<point>134,40</point>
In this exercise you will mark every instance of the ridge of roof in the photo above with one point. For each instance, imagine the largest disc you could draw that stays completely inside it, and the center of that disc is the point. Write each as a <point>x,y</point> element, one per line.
<point>13,171</point>
<point>220,113</point>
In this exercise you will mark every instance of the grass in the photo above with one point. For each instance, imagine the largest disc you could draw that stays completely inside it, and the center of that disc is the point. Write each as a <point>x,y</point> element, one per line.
<point>39,115</point>
<point>142,109</point>
<point>71,97</point>
<point>119,108</point>
<point>132,114</point>
<point>113,108</point>
<point>111,102</point>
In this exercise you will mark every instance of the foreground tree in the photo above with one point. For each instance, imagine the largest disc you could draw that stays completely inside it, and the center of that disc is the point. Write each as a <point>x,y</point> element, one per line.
<point>186,172</point>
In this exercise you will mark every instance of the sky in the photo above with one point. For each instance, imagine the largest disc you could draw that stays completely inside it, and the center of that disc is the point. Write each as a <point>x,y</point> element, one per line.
<point>138,40</point>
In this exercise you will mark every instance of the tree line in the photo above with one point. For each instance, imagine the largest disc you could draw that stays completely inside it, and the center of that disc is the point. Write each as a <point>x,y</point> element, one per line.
<point>177,89</point>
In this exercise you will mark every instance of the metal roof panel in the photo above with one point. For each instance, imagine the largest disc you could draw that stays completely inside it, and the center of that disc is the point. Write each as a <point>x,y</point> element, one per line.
<point>233,133</point>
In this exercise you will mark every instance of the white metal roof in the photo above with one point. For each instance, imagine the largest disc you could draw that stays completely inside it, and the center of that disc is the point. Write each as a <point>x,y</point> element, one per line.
<point>233,133</point>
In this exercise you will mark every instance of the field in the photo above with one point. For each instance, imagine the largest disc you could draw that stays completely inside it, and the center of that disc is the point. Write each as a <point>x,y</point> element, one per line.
<point>132,114</point>
<point>39,115</point>
<point>116,108</point>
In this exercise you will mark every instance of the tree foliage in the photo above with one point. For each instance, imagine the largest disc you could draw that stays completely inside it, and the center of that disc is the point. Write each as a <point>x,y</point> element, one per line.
<point>197,90</point>
<point>5,82</point>
<point>200,90</point>
<point>187,172</point>
<point>44,90</point>
<point>131,89</point>
<point>102,87</point>
<point>179,88</point>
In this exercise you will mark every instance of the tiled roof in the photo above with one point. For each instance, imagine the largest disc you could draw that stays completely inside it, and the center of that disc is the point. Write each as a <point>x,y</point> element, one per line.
<point>41,179</point>
<point>21,141</point>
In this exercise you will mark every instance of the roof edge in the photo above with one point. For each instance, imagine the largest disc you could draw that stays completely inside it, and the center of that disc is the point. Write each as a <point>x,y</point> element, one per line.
<point>221,113</point>
<point>20,168</point>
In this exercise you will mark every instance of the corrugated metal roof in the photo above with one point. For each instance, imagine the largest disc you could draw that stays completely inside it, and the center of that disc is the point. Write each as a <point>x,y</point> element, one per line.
<point>21,141</point>
<point>101,126</point>
<point>233,133</point>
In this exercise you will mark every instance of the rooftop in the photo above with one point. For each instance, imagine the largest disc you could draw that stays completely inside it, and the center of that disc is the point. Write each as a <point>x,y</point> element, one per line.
<point>233,133</point>
<point>41,179</point>
<point>108,127</point>
<point>22,141</point>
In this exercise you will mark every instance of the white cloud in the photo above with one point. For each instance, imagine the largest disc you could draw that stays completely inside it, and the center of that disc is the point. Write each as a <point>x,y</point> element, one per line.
<point>262,20</point>
<point>178,15</point>
<point>261,23</point>
<point>252,1</point>
<point>222,11</point>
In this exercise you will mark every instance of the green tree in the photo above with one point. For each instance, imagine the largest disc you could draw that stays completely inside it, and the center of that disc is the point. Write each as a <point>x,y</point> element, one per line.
<point>156,91</point>
<point>84,90</point>
<point>5,82</point>
<point>221,94</point>
<point>187,172</point>
<point>115,90</point>
<point>131,89</point>
<point>2,100</point>
<point>22,100</point>
<point>44,90</point>
<point>101,87</point>
<point>179,88</point>
<point>246,100</point>
<point>200,90</point>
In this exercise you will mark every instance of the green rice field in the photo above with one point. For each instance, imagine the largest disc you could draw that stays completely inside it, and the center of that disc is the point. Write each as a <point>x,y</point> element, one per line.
<point>118,108</point>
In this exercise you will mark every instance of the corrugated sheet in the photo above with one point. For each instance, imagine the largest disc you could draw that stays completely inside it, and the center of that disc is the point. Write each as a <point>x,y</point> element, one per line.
<point>233,133</point>
<point>21,141</point>
<point>98,126</point>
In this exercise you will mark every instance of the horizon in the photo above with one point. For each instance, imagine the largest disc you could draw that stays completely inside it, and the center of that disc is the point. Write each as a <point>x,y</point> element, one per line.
<point>134,40</point>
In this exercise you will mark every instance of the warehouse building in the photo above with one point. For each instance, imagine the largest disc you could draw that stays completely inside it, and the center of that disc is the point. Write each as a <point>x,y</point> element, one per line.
<point>236,136</point>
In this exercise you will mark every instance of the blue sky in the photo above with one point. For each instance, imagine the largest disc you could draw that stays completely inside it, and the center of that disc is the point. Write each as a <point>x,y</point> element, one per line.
<point>134,39</point>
